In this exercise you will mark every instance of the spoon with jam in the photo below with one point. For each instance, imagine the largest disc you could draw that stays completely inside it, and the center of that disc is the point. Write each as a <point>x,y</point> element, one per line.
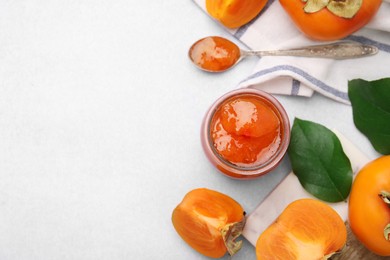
<point>217,54</point>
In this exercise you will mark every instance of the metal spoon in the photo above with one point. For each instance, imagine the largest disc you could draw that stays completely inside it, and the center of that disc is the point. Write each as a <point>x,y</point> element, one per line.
<point>217,54</point>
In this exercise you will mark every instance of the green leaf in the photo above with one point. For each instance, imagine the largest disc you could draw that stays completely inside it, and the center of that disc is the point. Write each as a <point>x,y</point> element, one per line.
<point>371,111</point>
<point>319,162</point>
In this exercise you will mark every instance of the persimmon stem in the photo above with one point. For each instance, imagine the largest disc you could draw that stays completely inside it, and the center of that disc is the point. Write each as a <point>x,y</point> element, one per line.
<point>230,233</point>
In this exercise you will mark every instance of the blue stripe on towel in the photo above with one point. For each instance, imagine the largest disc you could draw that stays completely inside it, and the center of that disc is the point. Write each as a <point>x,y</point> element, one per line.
<point>300,72</point>
<point>295,87</point>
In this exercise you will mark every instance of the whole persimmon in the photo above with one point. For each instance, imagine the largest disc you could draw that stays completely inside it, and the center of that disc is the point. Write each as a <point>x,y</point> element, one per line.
<point>307,229</point>
<point>330,19</point>
<point>209,222</point>
<point>369,206</point>
<point>234,13</point>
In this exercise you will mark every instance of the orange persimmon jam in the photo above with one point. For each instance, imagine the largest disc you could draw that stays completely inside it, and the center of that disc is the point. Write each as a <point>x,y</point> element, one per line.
<point>246,133</point>
<point>214,54</point>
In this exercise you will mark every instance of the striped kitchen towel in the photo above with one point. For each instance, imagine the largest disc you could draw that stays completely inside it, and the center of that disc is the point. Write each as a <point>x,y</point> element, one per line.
<point>273,29</point>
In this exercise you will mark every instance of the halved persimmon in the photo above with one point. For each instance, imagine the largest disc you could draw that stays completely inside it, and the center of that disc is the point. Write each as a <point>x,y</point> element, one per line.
<point>209,222</point>
<point>234,13</point>
<point>307,229</point>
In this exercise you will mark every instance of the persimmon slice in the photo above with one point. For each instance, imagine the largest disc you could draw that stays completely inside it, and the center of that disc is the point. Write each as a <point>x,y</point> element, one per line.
<point>306,229</point>
<point>209,222</point>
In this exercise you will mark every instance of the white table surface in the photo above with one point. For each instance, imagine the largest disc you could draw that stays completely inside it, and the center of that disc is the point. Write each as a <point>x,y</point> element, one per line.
<point>100,113</point>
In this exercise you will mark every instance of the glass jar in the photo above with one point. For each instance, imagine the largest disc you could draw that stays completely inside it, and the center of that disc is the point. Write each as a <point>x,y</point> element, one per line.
<point>237,144</point>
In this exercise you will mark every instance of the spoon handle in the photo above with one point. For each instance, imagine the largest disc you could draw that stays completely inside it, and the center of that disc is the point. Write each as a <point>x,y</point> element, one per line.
<point>338,51</point>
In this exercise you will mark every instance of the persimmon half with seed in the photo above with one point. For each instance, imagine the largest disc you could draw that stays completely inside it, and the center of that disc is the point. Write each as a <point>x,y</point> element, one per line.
<point>307,229</point>
<point>209,222</point>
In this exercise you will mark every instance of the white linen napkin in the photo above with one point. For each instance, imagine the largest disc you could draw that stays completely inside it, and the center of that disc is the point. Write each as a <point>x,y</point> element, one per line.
<point>273,29</point>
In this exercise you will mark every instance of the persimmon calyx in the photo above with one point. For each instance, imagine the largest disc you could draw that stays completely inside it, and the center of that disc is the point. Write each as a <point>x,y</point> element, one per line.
<point>385,195</point>
<point>386,232</point>
<point>341,8</point>
<point>230,233</point>
<point>313,6</point>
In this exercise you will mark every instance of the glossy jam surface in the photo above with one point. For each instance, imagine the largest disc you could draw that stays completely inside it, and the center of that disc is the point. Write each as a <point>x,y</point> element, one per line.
<point>214,53</point>
<point>246,131</point>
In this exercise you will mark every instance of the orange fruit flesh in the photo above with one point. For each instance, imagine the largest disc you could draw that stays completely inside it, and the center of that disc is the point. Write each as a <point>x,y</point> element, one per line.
<point>199,218</point>
<point>306,229</point>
